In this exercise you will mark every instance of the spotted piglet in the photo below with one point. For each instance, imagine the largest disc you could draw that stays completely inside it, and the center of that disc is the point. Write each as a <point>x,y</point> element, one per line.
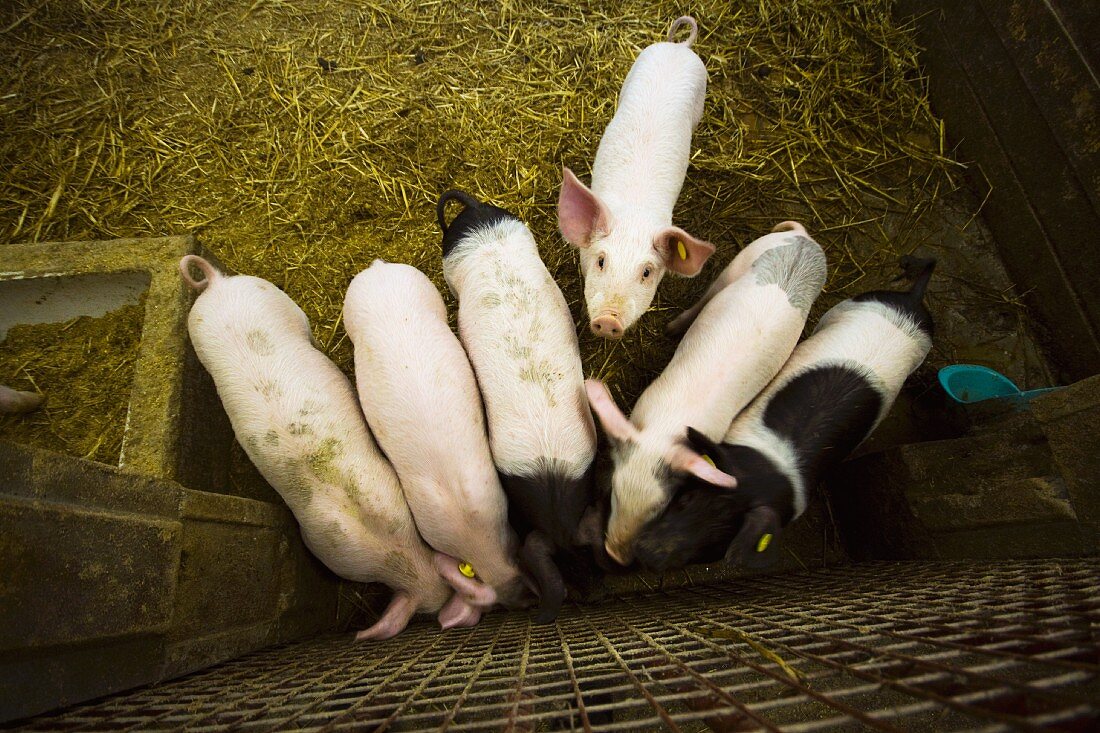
<point>837,386</point>
<point>298,419</point>
<point>623,224</point>
<point>735,343</point>
<point>421,400</point>
<point>519,335</point>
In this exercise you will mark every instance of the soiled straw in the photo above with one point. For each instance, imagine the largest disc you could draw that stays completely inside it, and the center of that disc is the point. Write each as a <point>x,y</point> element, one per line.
<point>303,139</point>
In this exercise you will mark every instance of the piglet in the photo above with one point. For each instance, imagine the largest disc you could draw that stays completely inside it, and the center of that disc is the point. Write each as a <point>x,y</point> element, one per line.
<point>14,401</point>
<point>748,326</point>
<point>421,400</point>
<point>518,332</point>
<point>837,386</point>
<point>298,419</point>
<point>623,224</point>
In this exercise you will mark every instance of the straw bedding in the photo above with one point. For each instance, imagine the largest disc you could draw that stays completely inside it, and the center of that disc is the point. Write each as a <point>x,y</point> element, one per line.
<point>303,139</point>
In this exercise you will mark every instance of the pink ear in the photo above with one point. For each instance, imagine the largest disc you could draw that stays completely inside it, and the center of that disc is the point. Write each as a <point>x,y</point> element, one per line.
<point>476,593</point>
<point>686,460</point>
<point>580,213</point>
<point>615,423</point>
<point>457,613</point>
<point>686,260</point>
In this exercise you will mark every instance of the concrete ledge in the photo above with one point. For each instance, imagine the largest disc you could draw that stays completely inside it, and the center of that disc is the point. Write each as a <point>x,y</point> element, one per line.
<point>154,430</point>
<point>111,580</point>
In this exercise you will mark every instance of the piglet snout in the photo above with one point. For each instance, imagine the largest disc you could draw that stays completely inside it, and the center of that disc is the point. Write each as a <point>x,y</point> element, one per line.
<point>608,325</point>
<point>613,552</point>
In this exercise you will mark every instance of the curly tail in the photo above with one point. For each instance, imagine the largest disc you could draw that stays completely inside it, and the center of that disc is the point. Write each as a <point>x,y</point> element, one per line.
<point>467,200</point>
<point>790,226</point>
<point>209,272</point>
<point>919,269</point>
<point>684,20</point>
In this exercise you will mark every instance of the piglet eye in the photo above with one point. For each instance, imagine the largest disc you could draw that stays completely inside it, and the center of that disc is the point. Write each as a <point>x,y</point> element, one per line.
<point>646,273</point>
<point>599,262</point>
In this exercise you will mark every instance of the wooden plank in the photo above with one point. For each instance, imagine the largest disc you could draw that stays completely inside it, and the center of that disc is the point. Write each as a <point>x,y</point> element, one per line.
<point>1026,246</point>
<point>1059,80</point>
<point>1040,165</point>
<point>1080,20</point>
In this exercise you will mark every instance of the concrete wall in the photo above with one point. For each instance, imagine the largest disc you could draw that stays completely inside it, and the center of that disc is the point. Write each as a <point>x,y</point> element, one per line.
<point>111,580</point>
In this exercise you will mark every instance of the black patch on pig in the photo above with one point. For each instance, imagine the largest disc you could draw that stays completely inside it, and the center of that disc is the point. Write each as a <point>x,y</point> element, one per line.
<point>474,215</point>
<point>549,503</point>
<point>911,302</point>
<point>702,520</point>
<point>823,414</point>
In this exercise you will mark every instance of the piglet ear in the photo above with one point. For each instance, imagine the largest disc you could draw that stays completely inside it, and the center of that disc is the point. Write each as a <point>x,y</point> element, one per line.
<point>755,546</point>
<point>615,423</point>
<point>474,591</point>
<point>686,460</point>
<point>580,212</point>
<point>683,253</point>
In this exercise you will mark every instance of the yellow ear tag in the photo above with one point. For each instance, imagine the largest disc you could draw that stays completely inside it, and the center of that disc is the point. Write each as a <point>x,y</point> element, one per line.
<point>709,460</point>
<point>466,569</point>
<point>681,250</point>
<point>763,542</point>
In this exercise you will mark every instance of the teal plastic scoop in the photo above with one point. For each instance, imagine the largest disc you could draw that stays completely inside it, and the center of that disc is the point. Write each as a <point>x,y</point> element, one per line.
<point>970,383</point>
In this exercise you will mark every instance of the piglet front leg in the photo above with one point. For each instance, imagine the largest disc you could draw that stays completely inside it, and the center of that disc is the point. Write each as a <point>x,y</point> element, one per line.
<point>394,619</point>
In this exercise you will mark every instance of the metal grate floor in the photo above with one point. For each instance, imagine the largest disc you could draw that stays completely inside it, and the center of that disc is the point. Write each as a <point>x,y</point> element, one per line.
<point>887,646</point>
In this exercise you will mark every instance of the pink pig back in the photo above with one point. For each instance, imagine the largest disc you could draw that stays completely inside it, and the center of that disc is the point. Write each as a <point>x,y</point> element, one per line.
<point>643,155</point>
<point>297,417</point>
<point>746,327</point>
<point>421,400</point>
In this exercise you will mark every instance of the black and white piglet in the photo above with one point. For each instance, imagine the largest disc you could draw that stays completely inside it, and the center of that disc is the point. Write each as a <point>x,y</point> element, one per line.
<point>517,330</point>
<point>830,395</point>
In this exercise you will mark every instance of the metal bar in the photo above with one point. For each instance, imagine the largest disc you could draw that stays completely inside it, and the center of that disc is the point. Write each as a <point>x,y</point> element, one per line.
<point>657,707</point>
<point>899,685</point>
<point>311,682</point>
<point>944,646</point>
<point>788,681</point>
<point>517,692</point>
<point>485,657</point>
<point>925,661</point>
<point>573,679</point>
<point>1084,666</point>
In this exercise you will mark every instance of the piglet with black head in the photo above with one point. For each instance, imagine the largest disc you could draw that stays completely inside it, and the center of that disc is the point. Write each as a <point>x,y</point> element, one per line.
<point>519,335</point>
<point>836,387</point>
<point>737,339</point>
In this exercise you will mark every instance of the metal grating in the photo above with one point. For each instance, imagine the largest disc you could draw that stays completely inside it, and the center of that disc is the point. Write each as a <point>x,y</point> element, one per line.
<point>884,646</point>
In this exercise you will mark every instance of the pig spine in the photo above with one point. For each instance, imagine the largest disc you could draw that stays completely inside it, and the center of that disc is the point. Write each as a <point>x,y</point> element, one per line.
<point>748,326</point>
<point>517,330</point>
<point>644,152</point>
<point>421,400</point>
<point>519,334</point>
<point>298,419</point>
